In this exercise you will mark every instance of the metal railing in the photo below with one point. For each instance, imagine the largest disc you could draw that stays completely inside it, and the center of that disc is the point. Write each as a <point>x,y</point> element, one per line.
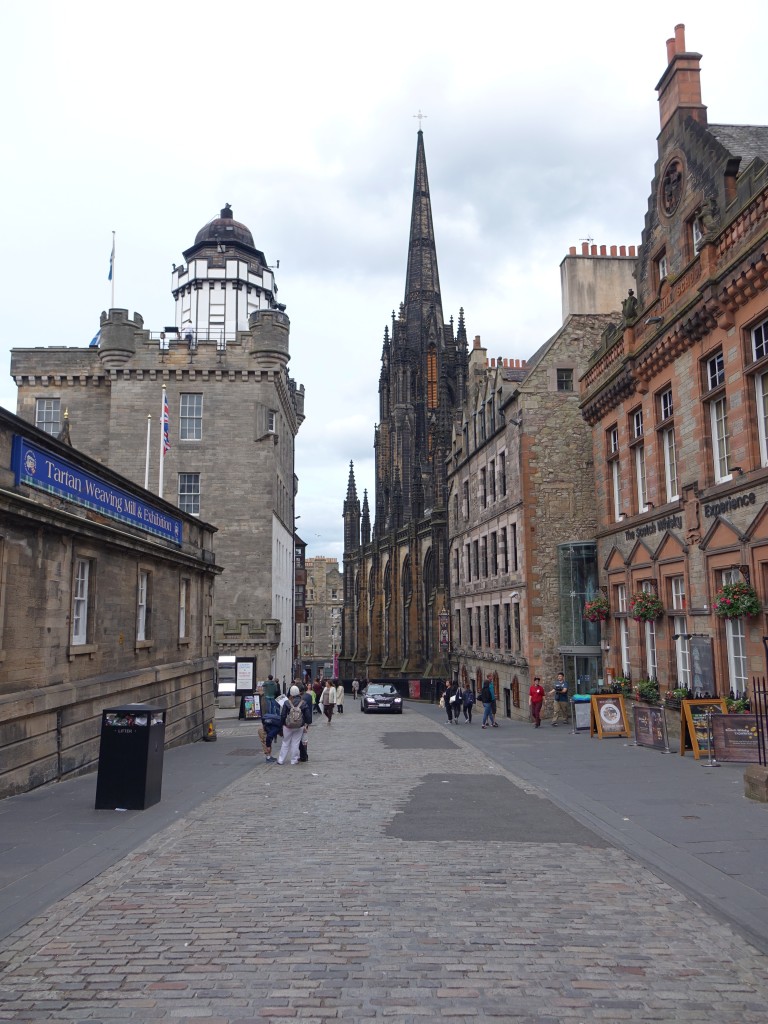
<point>760,691</point>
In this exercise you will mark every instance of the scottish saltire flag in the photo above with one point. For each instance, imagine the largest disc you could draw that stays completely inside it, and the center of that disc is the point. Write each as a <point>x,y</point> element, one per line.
<point>166,438</point>
<point>112,259</point>
<point>96,339</point>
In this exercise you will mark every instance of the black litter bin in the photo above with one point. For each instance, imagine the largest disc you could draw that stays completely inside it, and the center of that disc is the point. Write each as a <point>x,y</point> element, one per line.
<point>130,757</point>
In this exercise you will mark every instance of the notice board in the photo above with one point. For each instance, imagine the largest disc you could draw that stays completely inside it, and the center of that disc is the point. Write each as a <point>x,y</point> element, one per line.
<point>694,734</point>
<point>735,738</point>
<point>609,717</point>
<point>650,726</point>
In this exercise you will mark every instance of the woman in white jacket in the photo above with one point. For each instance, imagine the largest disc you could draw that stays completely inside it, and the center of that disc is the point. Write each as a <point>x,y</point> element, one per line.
<point>328,700</point>
<point>340,696</point>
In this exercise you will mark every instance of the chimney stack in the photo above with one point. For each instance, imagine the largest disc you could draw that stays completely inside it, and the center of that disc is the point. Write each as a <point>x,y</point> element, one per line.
<point>679,87</point>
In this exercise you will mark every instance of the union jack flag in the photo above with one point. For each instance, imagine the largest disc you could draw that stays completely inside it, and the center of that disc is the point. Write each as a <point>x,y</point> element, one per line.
<point>166,438</point>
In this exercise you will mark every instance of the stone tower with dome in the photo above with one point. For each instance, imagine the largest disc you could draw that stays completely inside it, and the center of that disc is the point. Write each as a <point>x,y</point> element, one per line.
<point>234,412</point>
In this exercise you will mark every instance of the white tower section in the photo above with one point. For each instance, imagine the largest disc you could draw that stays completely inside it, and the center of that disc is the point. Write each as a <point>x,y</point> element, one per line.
<point>225,279</point>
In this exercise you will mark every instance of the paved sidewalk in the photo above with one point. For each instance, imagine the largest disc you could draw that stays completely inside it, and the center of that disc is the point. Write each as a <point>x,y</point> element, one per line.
<point>404,873</point>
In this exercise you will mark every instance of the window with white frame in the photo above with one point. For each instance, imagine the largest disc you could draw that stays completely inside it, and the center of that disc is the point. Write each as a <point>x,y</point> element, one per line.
<point>271,421</point>
<point>736,644</point>
<point>80,592</point>
<point>760,340</point>
<point>143,614</point>
<point>637,423</point>
<point>721,442</point>
<point>650,639</point>
<point>670,463</point>
<point>640,481</point>
<point>184,589</point>
<point>613,441</point>
<point>697,234</point>
<point>662,267</point>
<point>761,404</point>
<point>621,605</point>
<point>615,471</point>
<point>682,646</point>
<point>715,371</point>
<point>666,406</point>
<point>48,415</point>
<point>189,493</point>
<point>190,417</point>
<point>564,379</point>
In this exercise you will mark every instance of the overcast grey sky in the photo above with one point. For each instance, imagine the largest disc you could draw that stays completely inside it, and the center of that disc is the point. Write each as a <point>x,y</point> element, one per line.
<point>145,118</point>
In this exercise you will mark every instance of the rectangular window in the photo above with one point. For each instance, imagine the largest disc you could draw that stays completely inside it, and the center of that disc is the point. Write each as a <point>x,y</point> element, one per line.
<point>666,407</point>
<point>507,628</point>
<point>190,417</point>
<point>761,401</point>
<point>483,488</point>
<point>613,441</point>
<point>662,267</point>
<point>503,474</point>
<point>487,625</point>
<point>455,509</point>
<point>457,627</point>
<point>80,589</point>
<point>621,607</point>
<point>496,628</point>
<point>466,498</point>
<point>183,609</point>
<point>492,413</point>
<point>697,235</point>
<point>482,424</point>
<point>670,463</point>
<point>475,559</point>
<point>189,493</point>
<point>504,552</point>
<point>642,494</point>
<point>516,622</point>
<point>736,640</point>
<point>721,454</point>
<point>271,421</point>
<point>760,340</point>
<point>492,478</point>
<point>715,371</point>
<point>48,415</point>
<point>650,639</point>
<point>616,489</point>
<point>143,607</point>
<point>469,563</point>
<point>637,423</point>
<point>456,567</point>
<point>471,628</point>
<point>494,554</point>
<point>515,565</point>
<point>484,556</point>
<point>564,379</point>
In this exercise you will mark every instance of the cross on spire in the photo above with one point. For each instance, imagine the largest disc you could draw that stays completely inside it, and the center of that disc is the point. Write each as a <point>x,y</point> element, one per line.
<point>420,117</point>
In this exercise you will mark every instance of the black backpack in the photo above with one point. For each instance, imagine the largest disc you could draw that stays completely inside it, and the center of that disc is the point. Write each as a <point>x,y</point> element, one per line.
<point>485,694</point>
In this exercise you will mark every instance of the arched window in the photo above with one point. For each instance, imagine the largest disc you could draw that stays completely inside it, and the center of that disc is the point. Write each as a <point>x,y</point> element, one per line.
<point>407,594</point>
<point>432,377</point>
<point>429,604</point>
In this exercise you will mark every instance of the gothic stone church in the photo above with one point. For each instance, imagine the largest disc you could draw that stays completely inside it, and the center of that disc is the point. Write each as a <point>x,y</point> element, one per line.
<point>396,569</point>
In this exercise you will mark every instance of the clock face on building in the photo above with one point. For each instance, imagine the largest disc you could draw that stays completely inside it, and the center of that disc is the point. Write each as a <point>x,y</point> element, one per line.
<point>671,189</point>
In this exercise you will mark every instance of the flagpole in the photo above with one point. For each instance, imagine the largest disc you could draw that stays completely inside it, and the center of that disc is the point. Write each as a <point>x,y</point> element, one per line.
<point>162,440</point>
<point>146,466</point>
<point>112,271</point>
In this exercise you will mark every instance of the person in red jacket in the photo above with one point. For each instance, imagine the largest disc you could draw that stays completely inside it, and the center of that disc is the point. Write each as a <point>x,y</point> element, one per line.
<point>536,699</point>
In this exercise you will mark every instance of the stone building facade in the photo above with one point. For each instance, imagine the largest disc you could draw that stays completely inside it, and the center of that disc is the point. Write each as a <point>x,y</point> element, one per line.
<point>522,511</point>
<point>105,599</point>
<point>678,403</point>
<point>396,568</point>
<point>233,413</point>
<point>321,637</point>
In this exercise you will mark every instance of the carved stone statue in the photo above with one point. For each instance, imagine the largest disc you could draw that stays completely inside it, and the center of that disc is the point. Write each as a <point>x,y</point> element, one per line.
<point>629,307</point>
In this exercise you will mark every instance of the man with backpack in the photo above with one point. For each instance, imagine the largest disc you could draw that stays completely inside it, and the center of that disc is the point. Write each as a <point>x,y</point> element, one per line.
<point>488,700</point>
<point>295,718</point>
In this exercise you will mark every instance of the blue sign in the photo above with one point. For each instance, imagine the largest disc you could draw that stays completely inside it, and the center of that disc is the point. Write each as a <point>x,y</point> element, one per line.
<point>38,468</point>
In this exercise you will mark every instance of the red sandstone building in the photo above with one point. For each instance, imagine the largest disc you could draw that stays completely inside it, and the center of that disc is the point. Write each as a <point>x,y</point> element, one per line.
<point>678,402</point>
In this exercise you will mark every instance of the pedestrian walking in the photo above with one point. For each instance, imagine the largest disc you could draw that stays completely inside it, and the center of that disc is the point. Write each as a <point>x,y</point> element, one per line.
<point>295,719</point>
<point>307,697</point>
<point>535,700</point>
<point>317,689</point>
<point>488,700</point>
<point>468,702</point>
<point>355,688</point>
<point>560,708</point>
<point>339,697</point>
<point>328,700</point>
<point>270,728</point>
<point>449,700</point>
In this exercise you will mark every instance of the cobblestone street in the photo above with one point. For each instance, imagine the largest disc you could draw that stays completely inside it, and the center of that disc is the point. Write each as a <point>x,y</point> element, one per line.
<point>426,883</point>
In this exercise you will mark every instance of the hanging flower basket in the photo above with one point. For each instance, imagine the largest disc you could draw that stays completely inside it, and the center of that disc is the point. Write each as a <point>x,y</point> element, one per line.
<point>646,607</point>
<point>597,610</point>
<point>736,599</point>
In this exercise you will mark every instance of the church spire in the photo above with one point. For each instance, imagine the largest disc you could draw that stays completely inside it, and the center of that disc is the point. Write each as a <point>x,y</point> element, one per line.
<point>351,513</point>
<point>422,283</point>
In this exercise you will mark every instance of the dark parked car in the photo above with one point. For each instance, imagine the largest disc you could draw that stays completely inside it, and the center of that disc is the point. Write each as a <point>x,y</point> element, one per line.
<point>381,697</point>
